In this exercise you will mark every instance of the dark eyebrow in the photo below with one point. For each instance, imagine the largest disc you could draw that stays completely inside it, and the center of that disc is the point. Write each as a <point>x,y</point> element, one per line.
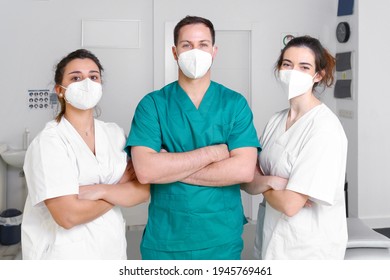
<point>305,63</point>
<point>300,63</point>
<point>74,72</point>
<point>202,41</point>
<point>78,72</point>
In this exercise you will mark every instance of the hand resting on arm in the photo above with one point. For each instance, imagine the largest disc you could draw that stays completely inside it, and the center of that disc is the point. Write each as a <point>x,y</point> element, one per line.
<point>128,192</point>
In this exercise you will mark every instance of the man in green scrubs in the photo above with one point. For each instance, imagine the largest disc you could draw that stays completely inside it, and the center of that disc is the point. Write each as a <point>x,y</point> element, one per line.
<point>194,142</point>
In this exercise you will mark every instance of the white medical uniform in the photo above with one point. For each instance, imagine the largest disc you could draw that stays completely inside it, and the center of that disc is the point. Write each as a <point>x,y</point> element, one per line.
<point>57,162</point>
<point>312,155</point>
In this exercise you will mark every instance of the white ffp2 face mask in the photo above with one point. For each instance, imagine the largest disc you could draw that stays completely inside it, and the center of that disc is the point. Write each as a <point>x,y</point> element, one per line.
<point>195,63</point>
<point>295,83</point>
<point>83,95</point>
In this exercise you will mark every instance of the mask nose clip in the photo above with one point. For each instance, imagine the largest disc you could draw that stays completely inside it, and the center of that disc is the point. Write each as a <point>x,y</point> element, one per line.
<point>85,85</point>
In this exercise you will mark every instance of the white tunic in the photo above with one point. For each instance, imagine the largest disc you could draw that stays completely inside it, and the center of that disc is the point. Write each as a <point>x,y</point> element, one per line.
<point>312,155</point>
<point>57,162</point>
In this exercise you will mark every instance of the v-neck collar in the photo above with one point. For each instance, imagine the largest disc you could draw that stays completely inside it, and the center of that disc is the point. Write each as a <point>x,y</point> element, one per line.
<point>81,141</point>
<point>187,103</point>
<point>301,119</point>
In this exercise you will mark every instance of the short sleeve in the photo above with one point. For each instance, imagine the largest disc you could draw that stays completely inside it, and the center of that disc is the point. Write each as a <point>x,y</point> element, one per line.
<point>145,127</point>
<point>243,133</point>
<point>319,169</point>
<point>49,169</point>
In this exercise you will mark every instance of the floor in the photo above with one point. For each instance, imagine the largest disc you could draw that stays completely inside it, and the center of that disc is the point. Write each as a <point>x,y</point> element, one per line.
<point>12,252</point>
<point>134,234</point>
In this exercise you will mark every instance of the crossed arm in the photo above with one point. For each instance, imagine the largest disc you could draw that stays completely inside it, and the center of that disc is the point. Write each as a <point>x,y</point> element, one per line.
<point>207,166</point>
<point>95,200</point>
<point>274,191</point>
<point>286,201</point>
<point>69,211</point>
<point>262,183</point>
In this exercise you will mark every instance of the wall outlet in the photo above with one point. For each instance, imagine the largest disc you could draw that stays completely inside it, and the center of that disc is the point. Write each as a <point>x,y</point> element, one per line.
<point>347,114</point>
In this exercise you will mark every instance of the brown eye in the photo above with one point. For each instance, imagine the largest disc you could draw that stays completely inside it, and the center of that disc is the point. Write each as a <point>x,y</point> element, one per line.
<point>76,78</point>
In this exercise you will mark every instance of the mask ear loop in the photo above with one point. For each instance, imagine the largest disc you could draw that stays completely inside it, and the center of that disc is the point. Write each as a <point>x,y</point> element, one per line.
<point>212,56</point>
<point>175,54</point>
<point>316,74</point>
<point>318,87</point>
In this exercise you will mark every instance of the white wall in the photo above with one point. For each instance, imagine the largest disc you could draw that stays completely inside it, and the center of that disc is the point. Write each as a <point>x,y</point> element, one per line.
<point>351,124</point>
<point>36,34</point>
<point>268,21</point>
<point>373,113</point>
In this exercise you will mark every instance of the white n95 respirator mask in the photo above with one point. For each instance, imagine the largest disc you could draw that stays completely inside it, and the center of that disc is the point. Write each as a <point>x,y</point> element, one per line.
<point>83,95</point>
<point>295,83</point>
<point>195,63</point>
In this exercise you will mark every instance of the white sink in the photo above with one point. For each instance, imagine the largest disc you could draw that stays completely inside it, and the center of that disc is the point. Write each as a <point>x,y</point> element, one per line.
<point>14,158</point>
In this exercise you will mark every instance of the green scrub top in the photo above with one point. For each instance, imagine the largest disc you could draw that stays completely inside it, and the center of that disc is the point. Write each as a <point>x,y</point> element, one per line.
<point>182,216</point>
